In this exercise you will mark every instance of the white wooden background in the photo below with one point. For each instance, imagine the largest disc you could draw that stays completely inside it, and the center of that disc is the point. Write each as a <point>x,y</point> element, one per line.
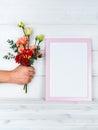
<point>54,18</point>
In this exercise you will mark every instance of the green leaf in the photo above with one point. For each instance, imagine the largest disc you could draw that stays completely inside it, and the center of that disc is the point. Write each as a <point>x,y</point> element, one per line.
<point>40,56</point>
<point>38,47</point>
<point>9,56</point>
<point>31,61</point>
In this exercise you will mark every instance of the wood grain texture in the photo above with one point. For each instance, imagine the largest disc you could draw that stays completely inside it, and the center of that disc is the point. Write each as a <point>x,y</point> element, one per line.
<point>54,18</point>
<point>51,12</point>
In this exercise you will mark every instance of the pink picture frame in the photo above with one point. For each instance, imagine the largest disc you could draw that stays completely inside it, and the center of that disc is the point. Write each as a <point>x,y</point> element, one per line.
<point>80,48</point>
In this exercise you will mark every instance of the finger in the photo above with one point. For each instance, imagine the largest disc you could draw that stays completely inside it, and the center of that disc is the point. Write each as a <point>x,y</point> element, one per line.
<point>31,76</point>
<point>32,72</point>
<point>30,79</point>
<point>31,69</point>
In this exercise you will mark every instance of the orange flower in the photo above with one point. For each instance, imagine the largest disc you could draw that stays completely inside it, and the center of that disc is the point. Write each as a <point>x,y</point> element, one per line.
<point>22,41</point>
<point>32,47</point>
<point>20,49</point>
<point>38,53</point>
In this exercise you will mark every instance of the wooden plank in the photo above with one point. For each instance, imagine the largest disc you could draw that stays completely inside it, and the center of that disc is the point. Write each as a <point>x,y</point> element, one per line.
<point>51,12</point>
<point>95,63</point>
<point>39,124</point>
<point>71,127</point>
<point>35,89</point>
<point>50,31</point>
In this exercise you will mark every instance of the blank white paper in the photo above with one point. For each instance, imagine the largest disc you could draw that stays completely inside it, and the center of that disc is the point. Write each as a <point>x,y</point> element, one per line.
<point>68,69</point>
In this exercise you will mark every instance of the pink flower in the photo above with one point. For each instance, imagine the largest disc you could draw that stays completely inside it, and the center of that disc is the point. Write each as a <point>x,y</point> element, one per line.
<point>22,41</point>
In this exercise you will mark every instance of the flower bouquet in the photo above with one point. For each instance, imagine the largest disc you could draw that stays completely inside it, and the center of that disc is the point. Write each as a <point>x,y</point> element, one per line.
<point>24,53</point>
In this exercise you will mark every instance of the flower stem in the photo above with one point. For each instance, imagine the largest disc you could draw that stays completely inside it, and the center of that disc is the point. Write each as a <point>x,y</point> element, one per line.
<point>25,88</point>
<point>23,31</point>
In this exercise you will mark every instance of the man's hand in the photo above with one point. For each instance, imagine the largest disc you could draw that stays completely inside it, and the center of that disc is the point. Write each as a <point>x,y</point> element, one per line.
<point>22,75</point>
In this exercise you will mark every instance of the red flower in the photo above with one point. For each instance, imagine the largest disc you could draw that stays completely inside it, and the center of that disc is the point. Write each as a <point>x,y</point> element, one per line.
<point>24,57</point>
<point>27,52</point>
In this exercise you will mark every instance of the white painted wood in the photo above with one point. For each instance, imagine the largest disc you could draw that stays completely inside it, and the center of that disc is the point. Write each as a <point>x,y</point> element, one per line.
<point>53,30</point>
<point>54,18</point>
<point>49,11</point>
<point>36,89</point>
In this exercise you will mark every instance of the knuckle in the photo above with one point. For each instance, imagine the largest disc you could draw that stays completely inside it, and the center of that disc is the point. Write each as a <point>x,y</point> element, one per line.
<point>27,80</point>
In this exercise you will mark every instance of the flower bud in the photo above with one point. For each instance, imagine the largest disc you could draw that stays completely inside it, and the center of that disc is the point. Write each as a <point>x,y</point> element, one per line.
<point>41,38</point>
<point>37,37</point>
<point>28,31</point>
<point>21,25</point>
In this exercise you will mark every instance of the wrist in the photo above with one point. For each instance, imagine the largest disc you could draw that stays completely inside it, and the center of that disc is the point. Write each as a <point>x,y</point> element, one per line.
<point>6,76</point>
<point>10,77</point>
